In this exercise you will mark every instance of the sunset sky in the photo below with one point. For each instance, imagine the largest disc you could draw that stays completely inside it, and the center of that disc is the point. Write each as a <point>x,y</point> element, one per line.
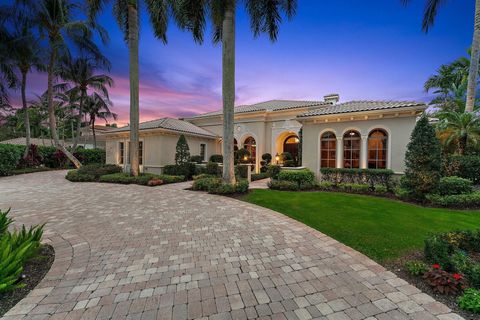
<point>360,49</point>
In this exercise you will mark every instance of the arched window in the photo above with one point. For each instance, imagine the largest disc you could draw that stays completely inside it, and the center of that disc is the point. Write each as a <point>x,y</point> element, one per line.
<point>235,144</point>
<point>377,149</point>
<point>251,146</point>
<point>351,149</point>
<point>328,150</point>
<point>290,145</point>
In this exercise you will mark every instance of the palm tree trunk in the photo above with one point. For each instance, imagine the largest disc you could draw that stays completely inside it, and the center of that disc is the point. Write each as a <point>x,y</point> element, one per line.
<point>134,95</point>
<point>473,72</point>
<point>93,132</point>
<point>25,110</point>
<point>79,123</point>
<point>51,111</point>
<point>228,91</point>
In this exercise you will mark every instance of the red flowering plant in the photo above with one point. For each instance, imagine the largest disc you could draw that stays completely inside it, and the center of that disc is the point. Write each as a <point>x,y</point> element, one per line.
<point>443,282</point>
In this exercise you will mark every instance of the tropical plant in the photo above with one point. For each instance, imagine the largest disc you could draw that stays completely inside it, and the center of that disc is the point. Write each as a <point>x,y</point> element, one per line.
<point>459,129</point>
<point>430,13</point>
<point>265,17</point>
<point>80,73</point>
<point>97,106</point>
<point>56,22</point>
<point>8,78</point>
<point>127,13</point>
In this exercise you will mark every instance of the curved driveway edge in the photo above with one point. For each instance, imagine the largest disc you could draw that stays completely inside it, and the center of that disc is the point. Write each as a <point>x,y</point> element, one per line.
<point>127,251</point>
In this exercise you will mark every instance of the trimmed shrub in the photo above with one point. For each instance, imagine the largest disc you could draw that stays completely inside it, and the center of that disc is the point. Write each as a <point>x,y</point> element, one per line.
<point>75,176</point>
<point>470,301</point>
<point>196,159</point>
<point>267,157</point>
<point>370,177</point>
<point>10,156</point>
<point>218,158</point>
<point>182,151</point>
<point>273,171</point>
<point>241,171</point>
<point>203,176</point>
<point>474,275</point>
<point>354,187</point>
<point>142,179</point>
<point>187,169</point>
<point>304,176</point>
<point>453,186</point>
<point>216,186</point>
<point>289,163</point>
<point>98,170</point>
<point>416,268</point>
<point>283,185</point>
<point>213,168</point>
<point>466,166</point>
<point>241,186</point>
<point>438,250</point>
<point>90,156</point>
<point>259,176</point>
<point>326,185</point>
<point>206,184</point>
<point>461,201</point>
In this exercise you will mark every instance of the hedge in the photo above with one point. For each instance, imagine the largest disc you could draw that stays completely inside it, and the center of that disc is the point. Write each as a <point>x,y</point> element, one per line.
<point>370,177</point>
<point>304,176</point>
<point>467,166</point>
<point>187,170</point>
<point>453,186</point>
<point>142,179</point>
<point>216,186</point>
<point>75,176</point>
<point>461,201</point>
<point>98,170</point>
<point>10,155</point>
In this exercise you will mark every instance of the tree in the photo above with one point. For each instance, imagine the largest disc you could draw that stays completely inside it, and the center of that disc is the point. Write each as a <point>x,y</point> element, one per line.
<point>80,72</point>
<point>8,79</point>
<point>265,17</point>
<point>182,151</point>
<point>430,13</point>
<point>127,13</point>
<point>459,129</point>
<point>422,161</point>
<point>55,20</point>
<point>97,106</point>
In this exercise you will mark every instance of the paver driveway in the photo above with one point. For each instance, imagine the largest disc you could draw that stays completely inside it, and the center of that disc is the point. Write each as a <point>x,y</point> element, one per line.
<point>162,253</point>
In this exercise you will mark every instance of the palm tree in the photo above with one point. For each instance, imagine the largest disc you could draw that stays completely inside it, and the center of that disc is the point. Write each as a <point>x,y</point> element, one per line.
<point>126,13</point>
<point>55,20</point>
<point>8,79</point>
<point>80,72</point>
<point>430,13</point>
<point>459,128</point>
<point>265,17</point>
<point>97,106</point>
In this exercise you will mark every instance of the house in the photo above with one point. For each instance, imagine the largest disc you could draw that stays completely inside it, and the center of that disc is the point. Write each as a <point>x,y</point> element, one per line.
<point>354,134</point>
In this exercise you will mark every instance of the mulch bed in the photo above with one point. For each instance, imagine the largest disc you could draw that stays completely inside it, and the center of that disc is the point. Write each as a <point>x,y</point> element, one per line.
<point>34,270</point>
<point>398,267</point>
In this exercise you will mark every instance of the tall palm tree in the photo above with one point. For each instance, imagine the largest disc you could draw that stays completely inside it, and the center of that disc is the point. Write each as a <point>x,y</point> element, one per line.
<point>430,13</point>
<point>80,73</point>
<point>8,78</point>
<point>127,14</point>
<point>459,128</point>
<point>56,22</point>
<point>265,17</point>
<point>97,106</point>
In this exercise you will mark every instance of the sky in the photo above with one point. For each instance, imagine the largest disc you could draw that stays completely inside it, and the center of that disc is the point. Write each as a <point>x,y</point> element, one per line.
<point>359,49</point>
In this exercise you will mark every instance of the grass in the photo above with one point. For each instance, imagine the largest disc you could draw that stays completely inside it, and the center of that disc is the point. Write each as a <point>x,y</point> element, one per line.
<point>380,228</point>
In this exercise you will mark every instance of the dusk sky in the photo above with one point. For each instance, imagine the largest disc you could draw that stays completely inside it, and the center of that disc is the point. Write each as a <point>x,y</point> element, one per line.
<point>360,49</point>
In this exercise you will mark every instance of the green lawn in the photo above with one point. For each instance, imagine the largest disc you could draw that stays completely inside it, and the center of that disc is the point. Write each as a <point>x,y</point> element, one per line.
<point>383,229</point>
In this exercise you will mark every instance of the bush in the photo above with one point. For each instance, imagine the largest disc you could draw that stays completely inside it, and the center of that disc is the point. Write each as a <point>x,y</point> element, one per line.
<point>267,157</point>
<point>416,268</point>
<point>182,151</point>
<point>283,185</point>
<point>466,166</point>
<point>206,184</point>
<point>289,163</point>
<point>461,201</point>
<point>203,176</point>
<point>196,159</point>
<point>75,176</point>
<point>259,176</point>
<point>216,186</point>
<point>354,187</point>
<point>33,158</point>
<point>326,185</point>
<point>422,161</point>
<point>370,177</point>
<point>142,179</point>
<point>474,276</point>
<point>218,158</point>
<point>242,186</point>
<point>470,301</point>
<point>213,168</point>
<point>454,186</point>
<point>242,171</point>
<point>98,170</point>
<point>438,250</point>
<point>241,154</point>
<point>443,282</point>
<point>90,156</point>
<point>187,169</point>
<point>10,156</point>
<point>273,171</point>
<point>303,176</point>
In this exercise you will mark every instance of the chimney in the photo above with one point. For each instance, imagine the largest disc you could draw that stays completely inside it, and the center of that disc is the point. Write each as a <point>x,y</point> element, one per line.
<point>332,98</point>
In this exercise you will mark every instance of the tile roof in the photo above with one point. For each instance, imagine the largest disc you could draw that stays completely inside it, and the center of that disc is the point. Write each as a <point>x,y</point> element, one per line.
<point>271,105</point>
<point>170,124</point>
<point>358,106</point>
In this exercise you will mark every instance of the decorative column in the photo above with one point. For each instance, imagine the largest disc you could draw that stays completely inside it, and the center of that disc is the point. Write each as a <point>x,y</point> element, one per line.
<point>339,159</point>
<point>364,152</point>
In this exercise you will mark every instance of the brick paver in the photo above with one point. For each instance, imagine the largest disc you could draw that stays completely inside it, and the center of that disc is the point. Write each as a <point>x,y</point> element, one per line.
<point>166,253</point>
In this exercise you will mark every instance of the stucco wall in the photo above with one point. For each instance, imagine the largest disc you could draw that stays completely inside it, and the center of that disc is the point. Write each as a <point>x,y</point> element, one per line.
<point>398,129</point>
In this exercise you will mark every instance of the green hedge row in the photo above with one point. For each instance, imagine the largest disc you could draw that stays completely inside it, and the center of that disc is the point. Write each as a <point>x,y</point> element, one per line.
<point>369,177</point>
<point>216,186</point>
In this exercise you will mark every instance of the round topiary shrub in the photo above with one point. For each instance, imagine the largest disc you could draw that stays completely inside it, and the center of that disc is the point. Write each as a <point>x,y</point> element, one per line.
<point>454,185</point>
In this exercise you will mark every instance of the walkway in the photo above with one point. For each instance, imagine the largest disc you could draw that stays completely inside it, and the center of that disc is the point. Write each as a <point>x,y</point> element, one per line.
<point>162,253</point>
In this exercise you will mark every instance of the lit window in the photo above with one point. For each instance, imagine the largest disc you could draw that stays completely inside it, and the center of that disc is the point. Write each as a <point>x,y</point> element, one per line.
<point>328,150</point>
<point>377,149</point>
<point>121,152</point>
<point>351,149</point>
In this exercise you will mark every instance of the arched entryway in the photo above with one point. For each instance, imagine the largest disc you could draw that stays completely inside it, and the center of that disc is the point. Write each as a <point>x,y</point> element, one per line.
<point>291,145</point>
<point>251,145</point>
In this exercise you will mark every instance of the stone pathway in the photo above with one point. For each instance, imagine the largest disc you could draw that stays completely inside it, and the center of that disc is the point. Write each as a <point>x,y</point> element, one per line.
<point>162,253</point>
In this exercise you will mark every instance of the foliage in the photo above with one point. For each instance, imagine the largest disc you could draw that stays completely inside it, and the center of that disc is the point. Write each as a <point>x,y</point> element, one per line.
<point>186,169</point>
<point>443,282</point>
<point>474,276</point>
<point>273,171</point>
<point>438,250</point>
<point>10,156</point>
<point>354,187</point>
<point>33,158</point>
<point>459,129</point>
<point>370,177</point>
<point>267,157</point>
<point>416,267</point>
<point>196,159</point>
<point>242,170</point>
<point>454,186</point>
<point>462,201</point>
<point>259,176</point>
<point>203,176</point>
<point>182,151</point>
<point>213,168</point>
<point>470,301</point>
<point>304,176</point>
<point>399,227</point>
<point>97,170</point>
<point>5,221</point>
<point>466,166</point>
<point>216,186</point>
<point>241,155</point>
<point>142,179</point>
<point>283,185</point>
<point>216,158</point>
<point>75,176</point>
<point>91,156</point>
<point>422,161</point>
<point>206,184</point>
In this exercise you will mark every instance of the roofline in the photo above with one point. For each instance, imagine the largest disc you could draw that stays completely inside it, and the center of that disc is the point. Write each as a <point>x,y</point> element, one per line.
<point>417,106</point>
<point>213,136</point>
